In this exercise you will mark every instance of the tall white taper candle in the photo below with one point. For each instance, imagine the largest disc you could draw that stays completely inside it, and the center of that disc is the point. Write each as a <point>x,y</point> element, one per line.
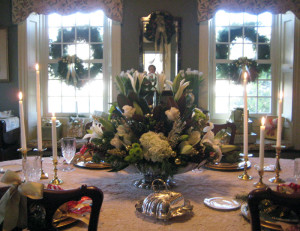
<point>54,137</point>
<point>279,123</point>
<point>38,108</point>
<point>262,144</point>
<point>245,117</point>
<point>21,113</point>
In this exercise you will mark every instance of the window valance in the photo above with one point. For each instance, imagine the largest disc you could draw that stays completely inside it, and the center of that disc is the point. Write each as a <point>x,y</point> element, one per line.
<point>21,9</point>
<point>207,8</point>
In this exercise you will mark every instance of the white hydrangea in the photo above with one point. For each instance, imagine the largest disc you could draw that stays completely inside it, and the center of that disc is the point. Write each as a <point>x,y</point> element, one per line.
<point>156,147</point>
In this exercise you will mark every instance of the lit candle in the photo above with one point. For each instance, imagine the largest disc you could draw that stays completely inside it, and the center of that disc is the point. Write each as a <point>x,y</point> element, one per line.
<point>262,144</point>
<point>21,112</point>
<point>279,123</point>
<point>38,108</point>
<point>54,139</point>
<point>245,117</point>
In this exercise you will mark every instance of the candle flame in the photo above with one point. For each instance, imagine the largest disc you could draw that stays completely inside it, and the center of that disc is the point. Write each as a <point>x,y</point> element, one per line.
<point>281,95</point>
<point>20,96</point>
<point>245,76</point>
<point>37,67</point>
<point>263,120</point>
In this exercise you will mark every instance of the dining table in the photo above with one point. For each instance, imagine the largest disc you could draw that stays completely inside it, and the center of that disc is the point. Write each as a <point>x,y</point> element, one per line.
<point>118,210</point>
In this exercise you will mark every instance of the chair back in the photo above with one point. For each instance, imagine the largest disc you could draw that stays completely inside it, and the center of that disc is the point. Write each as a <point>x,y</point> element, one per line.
<point>53,199</point>
<point>232,126</point>
<point>291,201</point>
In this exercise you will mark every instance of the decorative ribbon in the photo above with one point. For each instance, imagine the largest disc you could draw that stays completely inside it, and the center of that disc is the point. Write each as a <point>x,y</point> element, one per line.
<point>13,204</point>
<point>71,69</point>
<point>161,33</point>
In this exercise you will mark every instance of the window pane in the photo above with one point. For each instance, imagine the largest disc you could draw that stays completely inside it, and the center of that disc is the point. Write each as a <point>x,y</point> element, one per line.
<point>96,34</point>
<point>83,51</point>
<point>69,49</point>
<point>68,20</point>
<point>96,104</point>
<point>222,34</point>
<point>222,51</point>
<point>250,51</point>
<point>83,105</point>
<point>54,104</point>
<point>265,71</point>
<point>82,19</point>
<point>82,34</point>
<point>264,34</point>
<point>52,68</point>
<point>96,51</point>
<point>221,104</point>
<point>67,90</point>
<point>96,19</point>
<point>54,35</point>
<point>222,70</point>
<point>54,20</point>
<point>263,51</point>
<point>235,34</point>
<point>236,102</point>
<point>264,88</point>
<point>96,87</point>
<point>250,34</point>
<point>236,19</point>
<point>54,51</point>
<point>69,104</point>
<point>250,19</point>
<point>54,88</point>
<point>265,19</point>
<point>236,90</point>
<point>252,105</point>
<point>264,105</point>
<point>236,51</point>
<point>252,89</point>
<point>222,18</point>
<point>222,88</point>
<point>69,34</point>
<point>83,91</point>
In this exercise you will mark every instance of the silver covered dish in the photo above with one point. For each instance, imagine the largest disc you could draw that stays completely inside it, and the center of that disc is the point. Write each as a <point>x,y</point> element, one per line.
<point>164,204</point>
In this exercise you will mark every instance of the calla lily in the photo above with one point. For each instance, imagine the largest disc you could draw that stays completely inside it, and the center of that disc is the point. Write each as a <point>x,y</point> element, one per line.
<point>209,137</point>
<point>181,88</point>
<point>161,83</point>
<point>95,132</point>
<point>133,81</point>
<point>194,138</point>
<point>209,127</point>
<point>140,77</point>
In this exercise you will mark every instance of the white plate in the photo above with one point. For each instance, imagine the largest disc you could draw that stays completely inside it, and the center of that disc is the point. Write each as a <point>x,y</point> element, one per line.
<point>222,203</point>
<point>13,167</point>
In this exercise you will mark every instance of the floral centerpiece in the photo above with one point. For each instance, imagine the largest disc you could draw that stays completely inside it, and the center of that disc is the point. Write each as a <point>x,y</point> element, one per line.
<point>159,140</point>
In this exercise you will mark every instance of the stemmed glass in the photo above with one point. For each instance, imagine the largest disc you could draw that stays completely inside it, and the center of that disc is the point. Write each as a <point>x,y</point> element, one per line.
<point>68,148</point>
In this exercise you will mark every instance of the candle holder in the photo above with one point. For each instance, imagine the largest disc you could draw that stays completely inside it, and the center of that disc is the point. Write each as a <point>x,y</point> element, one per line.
<point>55,180</point>
<point>41,153</point>
<point>277,179</point>
<point>245,175</point>
<point>260,183</point>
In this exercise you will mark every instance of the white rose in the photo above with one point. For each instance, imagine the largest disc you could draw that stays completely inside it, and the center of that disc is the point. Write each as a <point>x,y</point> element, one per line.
<point>128,111</point>
<point>172,114</point>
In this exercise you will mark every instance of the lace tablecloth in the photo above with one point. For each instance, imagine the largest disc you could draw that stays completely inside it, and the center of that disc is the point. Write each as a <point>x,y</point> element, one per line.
<point>118,209</point>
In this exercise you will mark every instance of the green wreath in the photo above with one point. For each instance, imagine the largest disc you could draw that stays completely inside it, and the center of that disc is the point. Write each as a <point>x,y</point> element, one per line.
<point>68,64</point>
<point>152,26</point>
<point>233,70</point>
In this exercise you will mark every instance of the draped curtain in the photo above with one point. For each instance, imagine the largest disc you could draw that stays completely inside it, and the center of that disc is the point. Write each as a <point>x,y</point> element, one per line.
<point>21,9</point>
<point>207,8</point>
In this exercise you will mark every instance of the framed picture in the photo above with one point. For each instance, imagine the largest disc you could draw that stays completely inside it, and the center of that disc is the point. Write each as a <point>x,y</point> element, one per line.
<point>4,76</point>
<point>271,127</point>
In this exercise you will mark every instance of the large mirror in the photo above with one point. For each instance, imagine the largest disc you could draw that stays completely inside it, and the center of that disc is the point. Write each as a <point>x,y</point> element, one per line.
<point>160,43</point>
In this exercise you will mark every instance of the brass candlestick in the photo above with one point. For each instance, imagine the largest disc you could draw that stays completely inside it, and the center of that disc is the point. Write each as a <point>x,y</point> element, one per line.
<point>41,152</point>
<point>245,175</point>
<point>260,183</point>
<point>55,180</point>
<point>277,179</point>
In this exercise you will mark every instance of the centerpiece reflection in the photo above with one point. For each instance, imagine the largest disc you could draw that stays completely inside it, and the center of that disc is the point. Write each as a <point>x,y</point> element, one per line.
<point>160,140</point>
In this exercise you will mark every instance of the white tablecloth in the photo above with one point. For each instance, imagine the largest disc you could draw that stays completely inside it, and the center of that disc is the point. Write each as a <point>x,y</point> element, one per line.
<point>120,196</point>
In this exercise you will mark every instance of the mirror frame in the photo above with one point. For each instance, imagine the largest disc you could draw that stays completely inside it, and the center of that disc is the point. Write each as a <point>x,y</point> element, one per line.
<point>141,34</point>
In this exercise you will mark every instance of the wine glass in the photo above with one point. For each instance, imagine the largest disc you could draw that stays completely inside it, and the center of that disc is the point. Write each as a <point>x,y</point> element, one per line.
<point>68,148</point>
<point>297,169</point>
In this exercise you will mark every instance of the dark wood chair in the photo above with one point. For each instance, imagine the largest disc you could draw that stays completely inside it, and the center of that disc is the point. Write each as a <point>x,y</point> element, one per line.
<point>291,201</point>
<point>232,126</point>
<point>53,199</point>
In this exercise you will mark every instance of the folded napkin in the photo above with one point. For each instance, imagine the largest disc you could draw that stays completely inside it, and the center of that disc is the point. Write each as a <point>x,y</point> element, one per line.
<point>13,204</point>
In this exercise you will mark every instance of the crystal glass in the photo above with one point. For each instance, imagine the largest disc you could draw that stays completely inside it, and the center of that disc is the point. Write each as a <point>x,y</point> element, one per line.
<point>68,148</point>
<point>32,171</point>
<point>297,169</point>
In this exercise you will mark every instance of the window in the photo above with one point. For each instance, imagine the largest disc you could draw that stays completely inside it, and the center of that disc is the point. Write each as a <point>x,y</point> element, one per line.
<point>82,85</point>
<point>238,35</point>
